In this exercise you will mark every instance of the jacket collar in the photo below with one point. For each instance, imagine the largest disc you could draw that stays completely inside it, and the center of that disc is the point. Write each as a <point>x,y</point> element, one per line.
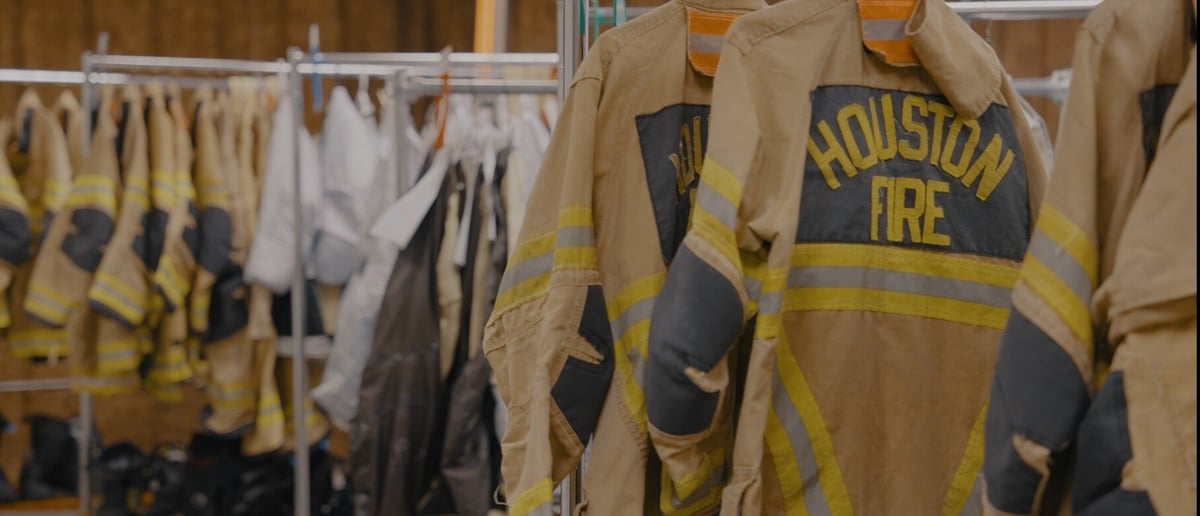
<point>961,63</point>
<point>725,5</point>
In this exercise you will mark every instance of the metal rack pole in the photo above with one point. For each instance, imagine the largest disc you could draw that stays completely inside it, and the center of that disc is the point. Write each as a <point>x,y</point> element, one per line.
<point>301,505</point>
<point>84,456</point>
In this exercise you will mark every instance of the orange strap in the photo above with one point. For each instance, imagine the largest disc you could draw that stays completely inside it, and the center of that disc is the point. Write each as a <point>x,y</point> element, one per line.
<point>443,107</point>
<point>706,34</point>
<point>883,23</point>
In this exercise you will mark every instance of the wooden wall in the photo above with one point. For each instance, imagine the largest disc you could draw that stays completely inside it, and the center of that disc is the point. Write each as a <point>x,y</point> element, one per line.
<point>52,33</point>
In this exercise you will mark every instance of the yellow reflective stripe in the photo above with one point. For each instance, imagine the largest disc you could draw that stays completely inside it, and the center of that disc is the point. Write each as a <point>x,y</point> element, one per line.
<point>56,193</point>
<point>805,403</point>
<point>5,315</point>
<point>171,366</point>
<point>671,503</point>
<point>13,198</point>
<point>716,233</point>
<point>38,342</point>
<point>1072,239</point>
<point>575,258</point>
<point>541,493</point>
<point>722,181</point>
<point>136,193</point>
<point>575,215</point>
<point>200,302</point>
<point>94,180</point>
<point>535,246</point>
<point>38,306</point>
<point>90,198</point>
<point>1060,297</point>
<point>170,281</point>
<point>968,469</point>
<point>905,260</point>
<point>523,291</point>
<point>899,303</point>
<point>108,291</point>
<point>162,188</point>
<point>786,469</point>
<point>631,333</point>
<point>710,462</point>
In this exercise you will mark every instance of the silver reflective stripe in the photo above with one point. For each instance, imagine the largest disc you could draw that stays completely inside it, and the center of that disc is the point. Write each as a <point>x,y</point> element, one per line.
<point>575,236</point>
<point>770,303</point>
<point>806,462</point>
<point>896,281</point>
<point>974,504</point>
<point>636,313</point>
<point>1062,264</point>
<point>527,269</point>
<point>217,392</point>
<point>705,43</point>
<point>90,189</point>
<point>753,288</point>
<point>716,204</point>
<point>115,355</point>
<point>710,483</point>
<point>884,30</point>
<point>120,297</point>
<point>49,302</point>
<point>542,510</point>
<point>639,366</point>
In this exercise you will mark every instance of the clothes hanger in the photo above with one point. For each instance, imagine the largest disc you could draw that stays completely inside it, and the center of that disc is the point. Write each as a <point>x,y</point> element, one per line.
<point>363,97</point>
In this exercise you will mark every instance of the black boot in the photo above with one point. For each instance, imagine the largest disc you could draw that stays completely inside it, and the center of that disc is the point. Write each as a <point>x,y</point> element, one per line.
<point>212,475</point>
<point>120,470</point>
<point>8,493</point>
<point>51,470</point>
<point>166,481</point>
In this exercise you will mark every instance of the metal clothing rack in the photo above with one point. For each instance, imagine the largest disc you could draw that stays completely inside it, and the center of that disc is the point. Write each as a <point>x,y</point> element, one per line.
<point>407,74</point>
<point>404,69</point>
<point>82,79</point>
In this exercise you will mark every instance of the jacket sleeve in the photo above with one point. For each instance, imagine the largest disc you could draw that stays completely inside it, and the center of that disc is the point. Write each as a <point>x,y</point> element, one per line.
<point>122,289</point>
<point>177,266</point>
<point>549,340</point>
<point>706,301</point>
<point>74,243</point>
<point>348,161</point>
<point>1054,354</point>
<point>15,237</point>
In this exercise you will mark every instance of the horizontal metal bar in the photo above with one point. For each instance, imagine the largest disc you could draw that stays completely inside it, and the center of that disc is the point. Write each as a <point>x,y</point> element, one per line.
<point>428,86</point>
<point>48,384</point>
<point>187,64</point>
<point>345,69</point>
<point>976,10</point>
<point>74,78</point>
<point>1001,10</point>
<point>434,59</point>
<point>19,75</point>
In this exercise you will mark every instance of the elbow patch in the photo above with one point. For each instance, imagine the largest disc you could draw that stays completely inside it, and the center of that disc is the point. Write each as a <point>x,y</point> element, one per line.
<point>215,232</point>
<point>1106,449</point>
<point>581,386</point>
<point>85,245</point>
<point>697,317</point>
<point>229,312</point>
<point>15,237</point>
<point>1037,392</point>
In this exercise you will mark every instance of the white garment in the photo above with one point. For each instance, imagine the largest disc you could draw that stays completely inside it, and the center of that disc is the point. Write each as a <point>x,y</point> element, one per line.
<point>349,158</point>
<point>358,312</point>
<point>530,138</point>
<point>1038,125</point>
<point>272,260</point>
